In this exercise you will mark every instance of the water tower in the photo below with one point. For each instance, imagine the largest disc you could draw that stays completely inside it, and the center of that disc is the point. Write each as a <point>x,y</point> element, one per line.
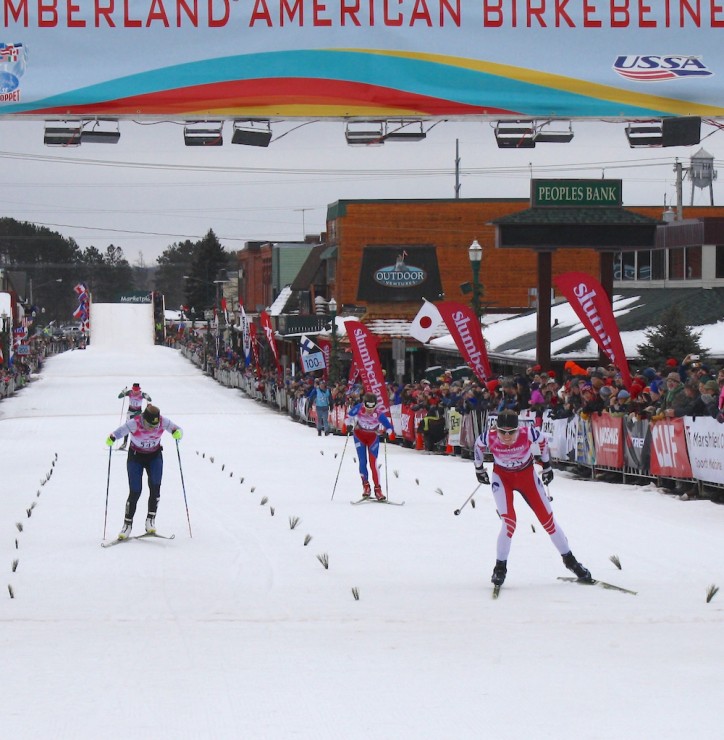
<point>702,173</point>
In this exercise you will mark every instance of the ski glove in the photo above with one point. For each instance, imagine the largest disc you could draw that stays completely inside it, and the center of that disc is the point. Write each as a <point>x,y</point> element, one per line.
<point>482,476</point>
<point>547,475</point>
<point>111,439</point>
<point>391,436</point>
<point>177,434</point>
<point>121,394</point>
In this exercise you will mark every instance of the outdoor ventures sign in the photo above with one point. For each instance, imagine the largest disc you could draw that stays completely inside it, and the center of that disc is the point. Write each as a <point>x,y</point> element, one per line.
<point>397,274</point>
<point>339,59</point>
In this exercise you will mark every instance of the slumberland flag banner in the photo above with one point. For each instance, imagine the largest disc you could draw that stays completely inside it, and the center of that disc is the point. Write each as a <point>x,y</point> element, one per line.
<point>593,307</point>
<point>367,359</point>
<point>464,327</point>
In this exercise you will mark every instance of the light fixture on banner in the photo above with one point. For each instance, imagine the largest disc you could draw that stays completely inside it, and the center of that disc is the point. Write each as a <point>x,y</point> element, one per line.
<point>425,324</point>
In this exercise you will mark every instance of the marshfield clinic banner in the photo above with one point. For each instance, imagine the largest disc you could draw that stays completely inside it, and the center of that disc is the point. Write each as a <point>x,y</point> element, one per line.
<point>344,58</point>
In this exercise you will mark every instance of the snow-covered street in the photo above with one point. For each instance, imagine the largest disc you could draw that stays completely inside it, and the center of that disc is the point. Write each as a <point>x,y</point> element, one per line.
<point>239,631</point>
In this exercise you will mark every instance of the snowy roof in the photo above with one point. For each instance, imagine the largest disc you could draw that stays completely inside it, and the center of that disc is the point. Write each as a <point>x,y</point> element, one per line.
<point>280,303</point>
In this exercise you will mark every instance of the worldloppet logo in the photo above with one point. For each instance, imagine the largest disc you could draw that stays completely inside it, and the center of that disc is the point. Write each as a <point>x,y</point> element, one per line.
<point>12,68</point>
<point>655,68</point>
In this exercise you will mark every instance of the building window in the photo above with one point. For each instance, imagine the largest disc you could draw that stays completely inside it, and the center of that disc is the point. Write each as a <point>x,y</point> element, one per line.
<point>719,261</point>
<point>685,263</point>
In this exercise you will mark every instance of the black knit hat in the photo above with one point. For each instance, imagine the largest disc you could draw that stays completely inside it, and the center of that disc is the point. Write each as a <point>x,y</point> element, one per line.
<point>152,416</point>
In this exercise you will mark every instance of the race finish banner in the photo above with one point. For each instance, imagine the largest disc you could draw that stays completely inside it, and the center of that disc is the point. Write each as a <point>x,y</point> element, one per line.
<point>340,59</point>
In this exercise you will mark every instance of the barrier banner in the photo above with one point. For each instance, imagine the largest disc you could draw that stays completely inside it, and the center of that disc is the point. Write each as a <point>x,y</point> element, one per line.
<point>669,457</point>
<point>407,424</point>
<point>637,445</point>
<point>593,307</point>
<point>454,424</point>
<point>585,445</point>
<point>607,435</point>
<point>705,440</point>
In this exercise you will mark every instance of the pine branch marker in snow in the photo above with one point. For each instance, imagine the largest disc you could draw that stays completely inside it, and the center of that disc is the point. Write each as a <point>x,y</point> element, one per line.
<point>324,560</point>
<point>614,559</point>
<point>293,521</point>
<point>264,499</point>
<point>307,539</point>
<point>355,593</point>
<point>711,592</point>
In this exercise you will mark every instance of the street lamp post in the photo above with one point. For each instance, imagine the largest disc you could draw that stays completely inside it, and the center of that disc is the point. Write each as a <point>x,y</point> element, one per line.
<point>332,306</point>
<point>475,254</point>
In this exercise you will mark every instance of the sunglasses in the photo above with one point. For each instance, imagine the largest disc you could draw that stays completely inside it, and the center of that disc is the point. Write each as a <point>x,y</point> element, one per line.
<point>370,405</point>
<point>506,431</point>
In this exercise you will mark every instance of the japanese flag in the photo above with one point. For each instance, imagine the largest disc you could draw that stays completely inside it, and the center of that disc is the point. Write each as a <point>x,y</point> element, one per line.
<point>426,322</point>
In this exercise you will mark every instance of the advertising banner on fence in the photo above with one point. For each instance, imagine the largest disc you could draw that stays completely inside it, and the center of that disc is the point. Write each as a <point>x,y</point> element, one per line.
<point>637,441</point>
<point>705,439</point>
<point>608,437</point>
<point>669,457</point>
<point>282,59</point>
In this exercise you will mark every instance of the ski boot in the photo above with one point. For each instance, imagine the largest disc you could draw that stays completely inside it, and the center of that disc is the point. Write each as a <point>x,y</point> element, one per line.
<point>583,574</point>
<point>151,524</point>
<point>125,533</point>
<point>366,490</point>
<point>499,572</point>
<point>379,495</point>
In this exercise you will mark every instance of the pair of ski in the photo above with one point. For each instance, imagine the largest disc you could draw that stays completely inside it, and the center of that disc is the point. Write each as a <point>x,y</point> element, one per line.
<point>145,535</point>
<point>583,582</point>
<point>371,500</point>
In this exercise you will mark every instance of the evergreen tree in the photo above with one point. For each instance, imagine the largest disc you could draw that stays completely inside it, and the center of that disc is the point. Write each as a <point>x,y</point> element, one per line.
<point>209,263</point>
<point>173,264</point>
<point>672,337</point>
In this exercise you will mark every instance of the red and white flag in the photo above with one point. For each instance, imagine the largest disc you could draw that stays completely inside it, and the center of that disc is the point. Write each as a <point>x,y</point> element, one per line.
<point>464,327</point>
<point>593,307</point>
<point>367,359</point>
<point>426,322</point>
<point>266,325</point>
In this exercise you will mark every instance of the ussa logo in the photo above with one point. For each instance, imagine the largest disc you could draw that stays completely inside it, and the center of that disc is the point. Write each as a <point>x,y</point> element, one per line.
<point>654,68</point>
<point>400,275</point>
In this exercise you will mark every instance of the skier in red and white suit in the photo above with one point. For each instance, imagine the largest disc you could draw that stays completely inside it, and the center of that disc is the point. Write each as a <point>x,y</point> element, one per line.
<point>513,449</point>
<point>367,421</point>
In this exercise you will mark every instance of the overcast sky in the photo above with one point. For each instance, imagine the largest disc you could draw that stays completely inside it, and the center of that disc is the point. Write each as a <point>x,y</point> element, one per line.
<point>149,190</point>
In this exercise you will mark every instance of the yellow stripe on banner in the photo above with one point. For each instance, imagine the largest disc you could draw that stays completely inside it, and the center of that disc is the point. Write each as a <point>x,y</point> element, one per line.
<point>584,88</point>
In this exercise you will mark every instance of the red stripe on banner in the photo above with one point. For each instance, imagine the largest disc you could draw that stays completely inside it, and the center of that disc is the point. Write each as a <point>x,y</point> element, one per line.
<point>275,92</point>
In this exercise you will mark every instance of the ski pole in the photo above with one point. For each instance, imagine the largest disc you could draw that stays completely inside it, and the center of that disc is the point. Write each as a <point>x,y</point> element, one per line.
<point>123,409</point>
<point>346,439</point>
<point>467,500</point>
<point>387,485</point>
<point>183,487</point>
<point>108,485</point>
